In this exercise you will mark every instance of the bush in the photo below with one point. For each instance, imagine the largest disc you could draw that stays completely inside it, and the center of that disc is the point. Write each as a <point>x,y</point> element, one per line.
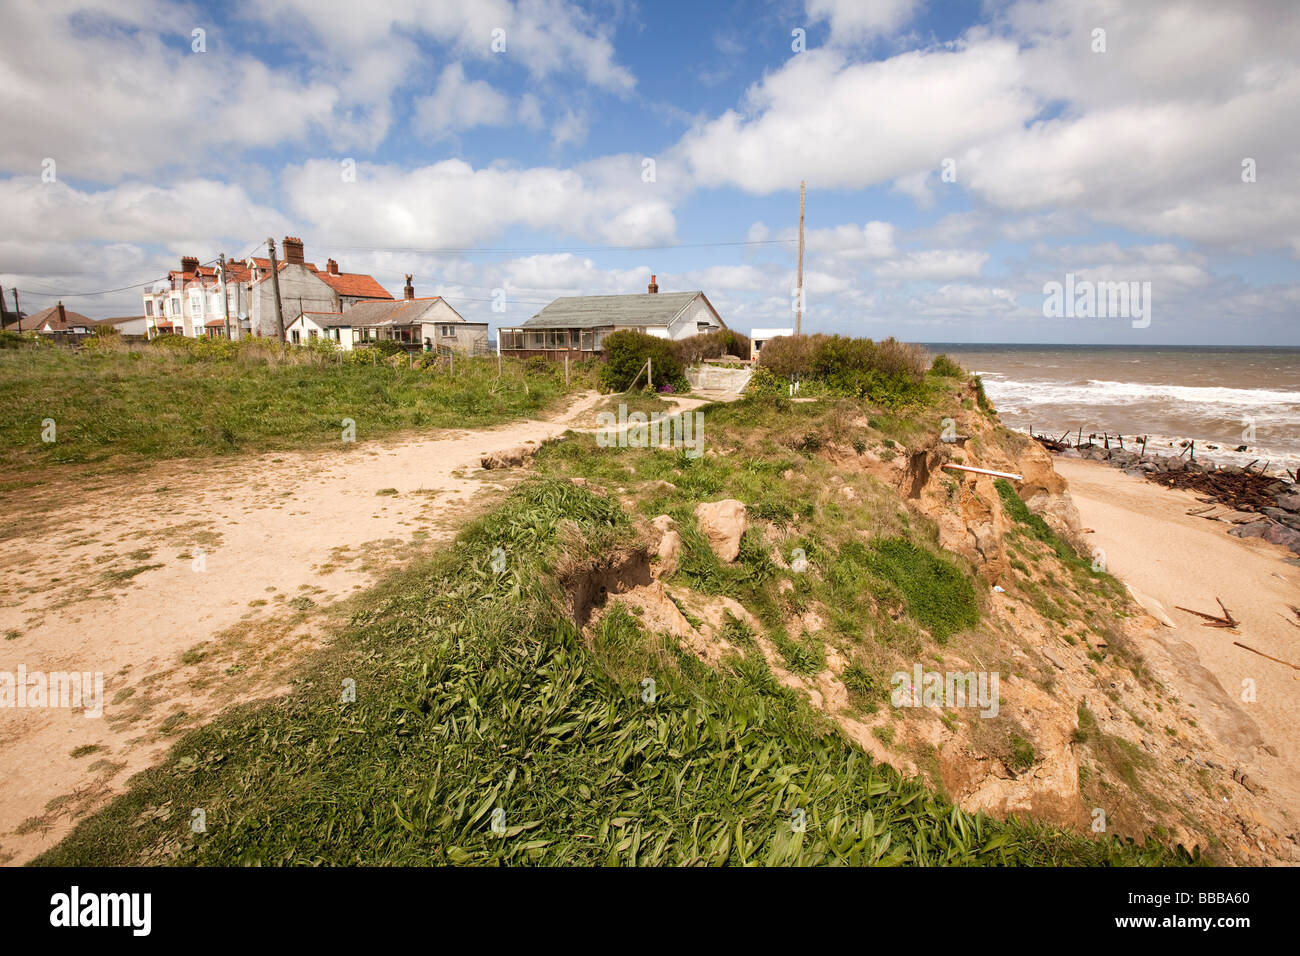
<point>16,340</point>
<point>788,355</point>
<point>626,352</point>
<point>696,348</point>
<point>943,365</point>
<point>539,365</point>
<point>765,382</point>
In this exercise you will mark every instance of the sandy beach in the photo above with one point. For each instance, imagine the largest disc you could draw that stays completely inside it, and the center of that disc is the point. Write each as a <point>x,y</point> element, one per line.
<point>1171,559</point>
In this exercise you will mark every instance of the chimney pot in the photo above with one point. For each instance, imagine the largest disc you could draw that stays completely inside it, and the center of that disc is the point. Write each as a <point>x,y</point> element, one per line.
<point>63,316</point>
<point>654,286</point>
<point>189,264</point>
<point>409,291</point>
<point>333,267</point>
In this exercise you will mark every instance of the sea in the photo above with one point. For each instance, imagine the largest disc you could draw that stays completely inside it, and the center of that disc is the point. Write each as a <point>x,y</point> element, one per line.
<point>1221,397</point>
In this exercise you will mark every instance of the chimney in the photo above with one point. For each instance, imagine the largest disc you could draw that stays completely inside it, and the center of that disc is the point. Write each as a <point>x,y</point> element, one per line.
<point>293,250</point>
<point>332,267</point>
<point>189,264</point>
<point>63,316</point>
<point>409,291</point>
<point>654,286</point>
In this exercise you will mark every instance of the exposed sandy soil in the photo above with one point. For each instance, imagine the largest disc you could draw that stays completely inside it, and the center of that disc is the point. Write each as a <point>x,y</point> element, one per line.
<point>107,581</point>
<point>1164,554</point>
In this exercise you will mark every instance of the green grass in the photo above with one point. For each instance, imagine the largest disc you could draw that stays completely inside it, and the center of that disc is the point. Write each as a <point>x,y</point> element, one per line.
<point>155,403</point>
<point>475,692</point>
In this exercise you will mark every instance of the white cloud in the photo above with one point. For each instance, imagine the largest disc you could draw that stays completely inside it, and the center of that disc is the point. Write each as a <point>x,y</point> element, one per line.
<point>458,104</point>
<point>873,240</point>
<point>195,211</point>
<point>966,300</point>
<point>452,204</point>
<point>860,19</point>
<point>850,125</point>
<point>935,264</point>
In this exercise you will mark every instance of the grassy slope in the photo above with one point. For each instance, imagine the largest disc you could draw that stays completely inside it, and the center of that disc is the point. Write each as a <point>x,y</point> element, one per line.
<point>474,691</point>
<point>200,406</point>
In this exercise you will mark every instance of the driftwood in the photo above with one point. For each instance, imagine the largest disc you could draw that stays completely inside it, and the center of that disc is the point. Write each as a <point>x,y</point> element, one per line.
<point>1211,620</point>
<point>1277,660</point>
<point>1243,491</point>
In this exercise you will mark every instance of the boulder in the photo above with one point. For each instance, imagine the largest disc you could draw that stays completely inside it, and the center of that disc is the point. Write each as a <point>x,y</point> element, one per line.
<point>722,523</point>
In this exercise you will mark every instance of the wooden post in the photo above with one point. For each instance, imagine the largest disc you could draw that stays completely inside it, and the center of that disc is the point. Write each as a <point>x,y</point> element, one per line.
<point>650,373</point>
<point>225,303</point>
<point>566,371</point>
<point>1121,442</point>
<point>1192,446</point>
<point>275,285</point>
<point>798,306</point>
<point>1144,444</point>
<point>1079,441</point>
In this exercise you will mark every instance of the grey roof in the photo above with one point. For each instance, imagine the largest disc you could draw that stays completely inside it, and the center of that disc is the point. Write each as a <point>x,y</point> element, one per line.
<point>595,311</point>
<point>396,312</point>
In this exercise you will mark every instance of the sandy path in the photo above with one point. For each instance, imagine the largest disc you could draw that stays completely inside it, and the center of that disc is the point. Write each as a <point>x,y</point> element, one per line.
<point>107,581</point>
<point>1156,548</point>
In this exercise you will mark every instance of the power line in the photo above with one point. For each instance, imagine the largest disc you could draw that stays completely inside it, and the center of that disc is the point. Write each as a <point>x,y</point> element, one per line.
<point>75,295</point>
<point>471,250</point>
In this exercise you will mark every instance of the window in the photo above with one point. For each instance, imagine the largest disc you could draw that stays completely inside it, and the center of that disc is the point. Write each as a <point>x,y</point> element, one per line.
<point>148,306</point>
<point>295,336</point>
<point>196,304</point>
<point>311,335</point>
<point>703,326</point>
<point>447,331</point>
<point>176,305</point>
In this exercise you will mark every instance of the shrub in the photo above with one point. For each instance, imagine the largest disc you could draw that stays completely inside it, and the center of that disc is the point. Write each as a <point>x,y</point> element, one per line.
<point>788,355</point>
<point>943,365</point>
<point>696,348</point>
<point>626,352</point>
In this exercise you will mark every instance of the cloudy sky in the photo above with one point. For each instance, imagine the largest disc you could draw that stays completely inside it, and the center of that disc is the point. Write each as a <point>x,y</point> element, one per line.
<point>958,155</point>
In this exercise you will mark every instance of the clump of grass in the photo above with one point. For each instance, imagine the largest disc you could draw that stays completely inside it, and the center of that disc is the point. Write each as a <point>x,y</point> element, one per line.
<point>938,595</point>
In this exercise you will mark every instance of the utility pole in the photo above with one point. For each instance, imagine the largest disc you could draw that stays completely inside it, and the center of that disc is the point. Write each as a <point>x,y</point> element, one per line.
<point>4,313</point>
<point>275,285</point>
<point>225,303</point>
<point>798,307</point>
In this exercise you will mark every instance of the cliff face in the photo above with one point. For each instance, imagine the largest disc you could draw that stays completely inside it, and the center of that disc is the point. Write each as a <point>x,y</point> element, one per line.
<point>1098,724</point>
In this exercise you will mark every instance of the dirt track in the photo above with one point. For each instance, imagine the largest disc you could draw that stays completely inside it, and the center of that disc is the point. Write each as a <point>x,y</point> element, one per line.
<point>197,584</point>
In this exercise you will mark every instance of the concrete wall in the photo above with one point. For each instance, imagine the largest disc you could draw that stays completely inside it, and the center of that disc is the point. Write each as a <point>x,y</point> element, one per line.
<point>296,282</point>
<point>716,378</point>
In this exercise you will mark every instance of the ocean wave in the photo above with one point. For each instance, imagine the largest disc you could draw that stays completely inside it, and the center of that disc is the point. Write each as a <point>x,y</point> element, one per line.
<point>1103,392</point>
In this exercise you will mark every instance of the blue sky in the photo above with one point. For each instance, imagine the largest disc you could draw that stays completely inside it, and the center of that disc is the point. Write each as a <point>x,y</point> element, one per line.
<point>1113,157</point>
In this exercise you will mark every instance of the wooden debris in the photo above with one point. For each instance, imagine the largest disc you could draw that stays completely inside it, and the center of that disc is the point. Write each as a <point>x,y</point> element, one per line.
<point>1269,656</point>
<point>1227,620</point>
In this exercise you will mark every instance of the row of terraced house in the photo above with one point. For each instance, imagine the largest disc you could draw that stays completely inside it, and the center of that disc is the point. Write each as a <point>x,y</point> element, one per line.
<point>349,309</point>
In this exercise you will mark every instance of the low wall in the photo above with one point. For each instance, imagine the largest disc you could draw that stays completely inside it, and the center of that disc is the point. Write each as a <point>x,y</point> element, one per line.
<point>717,378</point>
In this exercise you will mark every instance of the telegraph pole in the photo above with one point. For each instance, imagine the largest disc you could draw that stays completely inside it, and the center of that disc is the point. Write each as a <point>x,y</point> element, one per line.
<point>798,308</point>
<point>275,284</point>
<point>225,303</point>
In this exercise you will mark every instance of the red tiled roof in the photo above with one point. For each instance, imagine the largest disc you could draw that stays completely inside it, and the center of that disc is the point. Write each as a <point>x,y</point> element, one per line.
<point>164,325</point>
<point>215,324</point>
<point>356,284</point>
